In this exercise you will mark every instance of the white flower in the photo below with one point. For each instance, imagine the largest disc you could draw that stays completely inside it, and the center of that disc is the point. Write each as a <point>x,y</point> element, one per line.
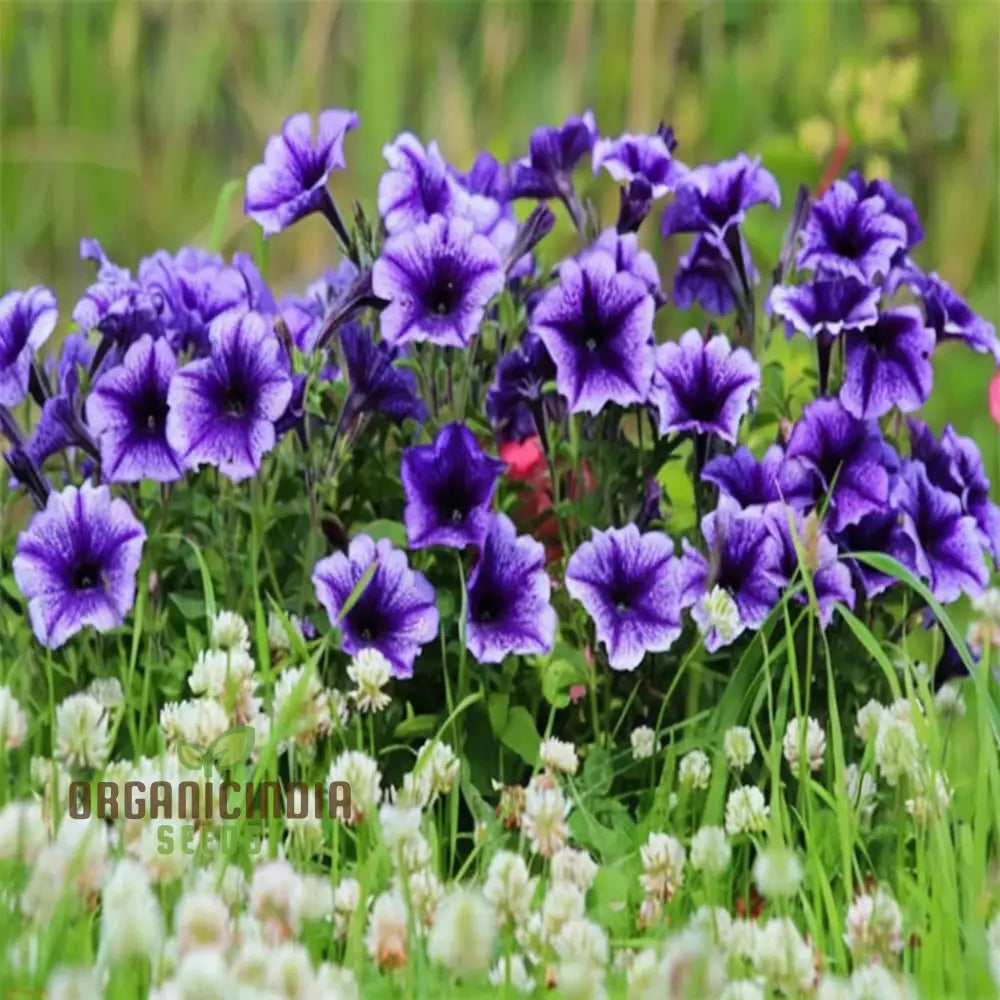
<point>868,718</point>
<point>993,944</point>
<point>544,818</point>
<point>562,902</point>
<point>13,722</point>
<point>370,671</point>
<point>400,826</point>
<point>76,861</point>
<point>198,721</point>
<point>512,969</point>
<point>949,701</point>
<point>571,865</point>
<point>334,982</point>
<point>833,988</point>
<point>558,756</point>
<point>82,732</point>
<point>202,920</point>
<point>162,867</point>
<point>644,743</point>
<point>436,770</point>
<point>22,830</point>
<point>987,604</point>
<point>897,748</point>
<point>386,936</point>
<point>462,936</point>
<point>739,747</point>
<point>662,866</point>
<point>783,958</point>
<point>509,887</point>
<point>710,850</point>
<point>346,900</point>
<point>804,740</point>
<point>580,980</point>
<point>746,810</point>
<point>861,791</point>
<point>131,922</point>
<point>743,989</point>
<point>932,795</point>
<point>718,613</point>
<point>290,972</point>
<point>107,691</point>
<point>712,921</point>
<point>581,939</point>
<point>317,897</point>
<point>230,632</point>
<point>695,769</point>
<point>876,982</point>
<point>645,978</point>
<point>777,872</point>
<point>362,774</point>
<point>227,675</point>
<point>299,699</point>
<point>73,983</point>
<point>276,898</point>
<point>874,926</point>
<point>691,965</point>
<point>425,892</point>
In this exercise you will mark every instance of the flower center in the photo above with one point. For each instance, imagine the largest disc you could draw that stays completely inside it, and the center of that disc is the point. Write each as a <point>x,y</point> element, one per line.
<point>86,576</point>
<point>457,517</point>
<point>236,401</point>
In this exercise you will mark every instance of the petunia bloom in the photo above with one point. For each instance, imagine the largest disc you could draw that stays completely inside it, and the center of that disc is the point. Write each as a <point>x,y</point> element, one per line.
<point>714,198</point>
<point>449,488</point>
<point>417,185</point>
<point>376,384</point>
<point>848,457</point>
<point>756,485</point>
<point>624,248</point>
<point>888,365</point>
<point>706,275</point>
<point>291,182</point>
<point>514,402</point>
<point>703,387</point>
<point>627,582</point>
<point>647,156</point>
<point>26,321</point>
<point>438,279</point>
<point>597,326</point>
<point>851,235</point>
<point>878,531</point>
<point>826,306</point>
<point>508,596</point>
<point>895,204</point>
<point>395,611</point>
<point>949,315</point>
<point>223,408</point>
<point>76,563</point>
<point>546,172</point>
<point>127,414</point>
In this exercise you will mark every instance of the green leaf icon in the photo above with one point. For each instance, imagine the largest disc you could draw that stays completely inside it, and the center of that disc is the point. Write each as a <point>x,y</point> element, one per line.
<point>191,756</point>
<point>232,747</point>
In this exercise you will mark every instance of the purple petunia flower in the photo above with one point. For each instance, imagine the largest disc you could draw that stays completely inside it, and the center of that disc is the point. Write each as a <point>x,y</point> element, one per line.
<point>851,235</point>
<point>714,198</point>
<point>831,578</point>
<point>449,488</point>
<point>291,182</point>
<point>627,581</point>
<point>597,325</point>
<point>895,204</point>
<point>127,414</point>
<point>704,387</point>
<point>508,596</point>
<point>418,184</point>
<point>488,177</point>
<point>513,402</point>
<point>756,485</point>
<point>76,563</point>
<point>826,306</point>
<point>949,549</point>
<point>647,156</point>
<point>438,279</point>
<point>223,408</point>
<point>951,318</point>
<point>736,587</point>
<point>376,385</point>
<point>303,315</point>
<point>848,457</point>
<point>888,364</point>
<point>624,248</point>
<point>395,612</point>
<point>26,321</point>
<point>706,275</point>
<point>546,172</point>
<point>879,531</point>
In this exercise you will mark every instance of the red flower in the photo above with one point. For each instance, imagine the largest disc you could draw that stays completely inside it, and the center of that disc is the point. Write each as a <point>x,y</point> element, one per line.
<point>995,398</point>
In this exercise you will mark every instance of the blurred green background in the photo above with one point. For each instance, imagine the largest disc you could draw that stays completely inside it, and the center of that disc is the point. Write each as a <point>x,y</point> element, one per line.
<point>125,120</point>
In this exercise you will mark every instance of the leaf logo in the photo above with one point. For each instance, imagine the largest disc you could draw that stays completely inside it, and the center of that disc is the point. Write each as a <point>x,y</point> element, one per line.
<point>227,750</point>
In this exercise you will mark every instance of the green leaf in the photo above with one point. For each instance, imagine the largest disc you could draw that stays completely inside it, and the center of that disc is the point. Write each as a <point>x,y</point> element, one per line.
<point>233,746</point>
<point>415,727</point>
<point>521,735</point>
<point>558,676</point>
<point>497,706</point>
<point>610,893</point>
<point>226,195</point>
<point>191,755</point>
<point>598,772</point>
<point>384,528</point>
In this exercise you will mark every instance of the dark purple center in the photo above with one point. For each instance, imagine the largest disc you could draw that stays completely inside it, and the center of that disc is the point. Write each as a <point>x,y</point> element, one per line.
<point>86,575</point>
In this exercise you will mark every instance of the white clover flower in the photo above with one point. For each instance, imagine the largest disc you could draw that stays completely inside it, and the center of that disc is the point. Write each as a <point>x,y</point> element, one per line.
<point>370,671</point>
<point>317,897</point>
<point>739,747</point>
<point>198,721</point>
<point>579,980</point>
<point>777,872</point>
<point>300,698</point>
<point>746,810</point>
<point>949,701</point>
<point>987,605</point>
<point>897,748</point>
<point>512,969</point>
<point>903,709</point>
<point>695,769</point>
<point>162,867</point>
<point>868,719</point>
<point>202,920</point>
<point>876,982</point>
<point>227,675</point>
<point>710,850</point>
<point>400,826</point>
<point>804,740</point>
<point>290,971</point>
<point>691,965</point>
<point>346,900</point>
<point>386,939</point>
<point>334,982</point>
<point>439,767</point>
<point>276,898</point>
<point>833,988</point>
<point>743,989</point>
<point>741,939</point>
<point>712,921</point>
<point>364,777</point>
<point>509,887</point>
<point>69,982</point>
<point>230,632</point>
<point>463,933</point>
<point>562,902</point>
<point>425,890</point>
<point>716,612</point>
<point>543,820</point>
<point>571,865</point>
<point>76,862</point>
<point>645,977</point>
<point>558,756</point>
<point>277,637</point>
<point>131,921</point>
<point>644,743</point>
<point>81,732</point>
<point>106,691</point>
<point>22,830</point>
<point>13,721</point>
<point>783,959</point>
<point>932,795</point>
<point>662,866</point>
<point>580,939</point>
<point>861,790</point>
<point>874,926</point>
